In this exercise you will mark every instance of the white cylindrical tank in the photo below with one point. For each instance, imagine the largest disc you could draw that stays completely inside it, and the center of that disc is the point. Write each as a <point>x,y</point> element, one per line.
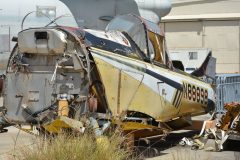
<point>160,7</point>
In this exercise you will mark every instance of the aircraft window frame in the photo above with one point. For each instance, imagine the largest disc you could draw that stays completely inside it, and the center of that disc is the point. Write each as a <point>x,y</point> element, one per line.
<point>162,59</point>
<point>139,38</point>
<point>137,54</point>
<point>158,42</point>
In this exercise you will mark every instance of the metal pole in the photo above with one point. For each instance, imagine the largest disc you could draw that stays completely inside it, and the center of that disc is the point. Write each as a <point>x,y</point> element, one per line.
<point>9,37</point>
<point>239,44</point>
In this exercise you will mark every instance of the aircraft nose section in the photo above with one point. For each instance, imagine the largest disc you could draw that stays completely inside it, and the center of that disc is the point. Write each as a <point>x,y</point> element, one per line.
<point>211,106</point>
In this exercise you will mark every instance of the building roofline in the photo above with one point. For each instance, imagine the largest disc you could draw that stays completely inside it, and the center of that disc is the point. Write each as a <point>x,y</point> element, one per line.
<point>200,17</point>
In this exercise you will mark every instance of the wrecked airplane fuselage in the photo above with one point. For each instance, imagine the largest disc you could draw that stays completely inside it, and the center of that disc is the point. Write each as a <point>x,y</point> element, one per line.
<point>122,75</point>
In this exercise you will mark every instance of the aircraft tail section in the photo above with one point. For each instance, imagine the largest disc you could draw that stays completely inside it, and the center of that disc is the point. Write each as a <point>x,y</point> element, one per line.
<point>208,67</point>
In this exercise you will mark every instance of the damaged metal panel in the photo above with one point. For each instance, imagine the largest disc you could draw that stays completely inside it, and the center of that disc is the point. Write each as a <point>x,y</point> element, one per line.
<point>42,41</point>
<point>40,72</point>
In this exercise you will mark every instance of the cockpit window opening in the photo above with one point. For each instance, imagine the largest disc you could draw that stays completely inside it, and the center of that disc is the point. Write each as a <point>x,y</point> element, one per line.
<point>138,54</point>
<point>157,44</point>
<point>145,35</point>
<point>168,60</point>
<point>134,28</point>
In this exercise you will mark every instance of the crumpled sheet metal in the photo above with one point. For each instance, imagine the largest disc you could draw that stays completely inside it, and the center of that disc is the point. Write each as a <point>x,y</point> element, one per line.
<point>221,128</point>
<point>210,127</point>
<point>230,121</point>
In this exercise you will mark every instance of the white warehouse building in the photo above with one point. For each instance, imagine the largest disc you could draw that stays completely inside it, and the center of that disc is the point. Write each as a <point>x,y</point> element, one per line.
<point>213,24</point>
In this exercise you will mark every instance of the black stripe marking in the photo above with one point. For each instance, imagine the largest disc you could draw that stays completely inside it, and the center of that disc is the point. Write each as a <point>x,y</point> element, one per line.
<point>175,98</point>
<point>179,100</point>
<point>168,81</point>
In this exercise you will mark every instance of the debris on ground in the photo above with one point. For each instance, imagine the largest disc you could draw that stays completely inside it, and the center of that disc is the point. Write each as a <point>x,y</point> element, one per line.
<point>219,129</point>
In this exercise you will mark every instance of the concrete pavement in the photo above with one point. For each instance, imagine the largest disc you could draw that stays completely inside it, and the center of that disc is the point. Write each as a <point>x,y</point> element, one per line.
<point>13,140</point>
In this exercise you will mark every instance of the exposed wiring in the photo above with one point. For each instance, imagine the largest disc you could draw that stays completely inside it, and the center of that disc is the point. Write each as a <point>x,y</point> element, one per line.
<point>24,18</point>
<point>54,20</point>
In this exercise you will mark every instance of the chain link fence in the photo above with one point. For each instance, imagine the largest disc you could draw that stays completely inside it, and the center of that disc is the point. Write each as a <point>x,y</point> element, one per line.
<point>227,90</point>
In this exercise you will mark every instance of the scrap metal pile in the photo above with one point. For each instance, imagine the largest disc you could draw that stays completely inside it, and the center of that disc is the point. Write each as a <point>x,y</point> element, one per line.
<point>230,122</point>
<point>227,126</point>
<point>47,81</point>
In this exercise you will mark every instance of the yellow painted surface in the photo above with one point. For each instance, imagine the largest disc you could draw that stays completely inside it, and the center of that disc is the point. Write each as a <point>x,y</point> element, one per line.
<point>56,126</point>
<point>124,92</point>
<point>129,87</point>
<point>61,123</point>
<point>151,103</point>
<point>189,107</point>
<point>134,96</point>
<point>110,78</point>
<point>128,126</point>
<point>63,108</point>
<point>160,69</point>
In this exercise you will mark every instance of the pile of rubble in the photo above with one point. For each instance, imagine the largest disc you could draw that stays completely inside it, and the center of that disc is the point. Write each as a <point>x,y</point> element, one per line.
<point>218,128</point>
<point>230,121</point>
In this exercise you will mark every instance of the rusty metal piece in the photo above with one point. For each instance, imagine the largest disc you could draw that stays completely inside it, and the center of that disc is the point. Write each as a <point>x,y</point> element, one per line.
<point>233,112</point>
<point>92,101</point>
<point>210,124</point>
<point>229,125</point>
